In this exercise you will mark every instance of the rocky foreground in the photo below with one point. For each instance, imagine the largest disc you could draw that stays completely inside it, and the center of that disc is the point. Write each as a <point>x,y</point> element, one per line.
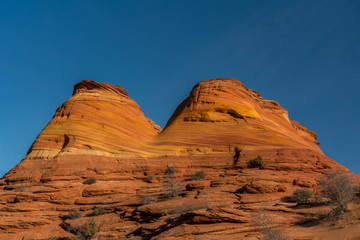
<point>101,165</point>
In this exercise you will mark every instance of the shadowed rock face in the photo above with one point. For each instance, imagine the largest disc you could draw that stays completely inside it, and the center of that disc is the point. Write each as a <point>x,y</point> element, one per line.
<point>101,132</point>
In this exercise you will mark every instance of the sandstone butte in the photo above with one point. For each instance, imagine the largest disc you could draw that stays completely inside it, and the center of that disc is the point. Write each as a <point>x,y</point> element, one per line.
<point>101,133</point>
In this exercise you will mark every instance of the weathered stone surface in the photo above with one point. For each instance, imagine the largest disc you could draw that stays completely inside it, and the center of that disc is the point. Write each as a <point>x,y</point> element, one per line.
<point>305,182</point>
<point>101,133</point>
<point>21,223</point>
<point>222,113</point>
<point>262,186</point>
<point>99,118</point>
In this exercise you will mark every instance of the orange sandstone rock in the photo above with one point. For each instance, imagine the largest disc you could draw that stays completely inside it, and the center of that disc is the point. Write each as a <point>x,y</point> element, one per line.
<point>101,133</point>
<point>222,113</point>
<point>99,119</point>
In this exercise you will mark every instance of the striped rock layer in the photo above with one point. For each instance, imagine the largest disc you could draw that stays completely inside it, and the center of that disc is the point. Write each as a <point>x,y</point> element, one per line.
<point>101,133</point>
<point>219,114</point>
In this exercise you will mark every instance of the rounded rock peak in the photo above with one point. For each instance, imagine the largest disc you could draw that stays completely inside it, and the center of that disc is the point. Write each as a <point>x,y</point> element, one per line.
<point>93,86</point>
<point>219,81</point>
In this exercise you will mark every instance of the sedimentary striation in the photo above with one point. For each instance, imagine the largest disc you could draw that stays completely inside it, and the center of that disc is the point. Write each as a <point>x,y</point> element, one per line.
<point>101,133</point>
<point>98,119</point>
<point>222,112</point>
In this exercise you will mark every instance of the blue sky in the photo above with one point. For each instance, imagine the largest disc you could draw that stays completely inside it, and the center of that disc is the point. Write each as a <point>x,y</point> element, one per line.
<point>304,54</point>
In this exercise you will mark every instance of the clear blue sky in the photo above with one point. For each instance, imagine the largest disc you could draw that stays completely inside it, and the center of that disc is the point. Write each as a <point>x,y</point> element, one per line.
<point>304,54</point>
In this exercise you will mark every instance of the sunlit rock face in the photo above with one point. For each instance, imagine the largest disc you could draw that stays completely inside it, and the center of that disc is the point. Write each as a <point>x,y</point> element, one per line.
<point>98,127</point>
<point>101,127</point>
<point>98,119</point>
<point>101,119</point>
<point>101,133</point>
<point>222,113</point>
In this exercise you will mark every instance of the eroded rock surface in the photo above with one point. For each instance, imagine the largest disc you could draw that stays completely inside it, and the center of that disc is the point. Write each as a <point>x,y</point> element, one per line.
<point>143,174</point>
<point>222,113</point>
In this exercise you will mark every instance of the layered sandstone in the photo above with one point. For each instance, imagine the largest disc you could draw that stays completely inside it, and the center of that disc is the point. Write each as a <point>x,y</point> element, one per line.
<point>101,132</point>
<point>101,119</point>
<point>98,119</point>
<point>223,113</point>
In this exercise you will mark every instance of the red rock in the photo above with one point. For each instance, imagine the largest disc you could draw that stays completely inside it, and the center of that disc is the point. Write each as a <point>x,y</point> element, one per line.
<point>98,119</point>
<point>223,113</point>
<point>262,186</point>
<point>101,133</point>
<point>305,182</point>
<point>22,223</point>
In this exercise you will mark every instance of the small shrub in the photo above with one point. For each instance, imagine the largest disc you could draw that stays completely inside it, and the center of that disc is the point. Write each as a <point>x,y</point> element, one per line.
<point>170,171</point>
<point>147,199</point>
<point>21,188</point>
<point>338,187</point>
<point>199,175</point>
<point>256,162</point>
<point>171,184</point>
<point>98,211</point>
<point>301,196</point>
<point>172,192</point>
<point>89,181</point>
<point>172,187</point>
<point>149,178</point>
<point>91,228</point>
<point>266,226</point>
<point>84,232</point>
<point>74,215</point>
